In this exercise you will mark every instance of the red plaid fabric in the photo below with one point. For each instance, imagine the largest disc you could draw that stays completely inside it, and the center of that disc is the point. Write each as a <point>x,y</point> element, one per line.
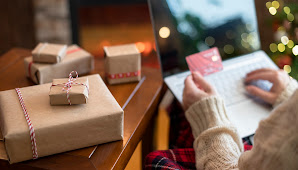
<point>171,159</point>
<point>180,137</point>
<point>180,130</point>
<point>182,159</point>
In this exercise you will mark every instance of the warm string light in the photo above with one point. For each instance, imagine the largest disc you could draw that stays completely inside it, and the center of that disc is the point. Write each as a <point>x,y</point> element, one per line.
<point>281,47</point>
<point>272,10</point>
<point>287,68</point>
<point>275,4</point>
<point>273,47</point>
<point>290,44</point>
<point>285,41</point>
<point>290,17</point>
<point>286,45</point>
<point>144,47</point>
<point>287,10</point>
<point>164,32</point>
<point>295,50</point>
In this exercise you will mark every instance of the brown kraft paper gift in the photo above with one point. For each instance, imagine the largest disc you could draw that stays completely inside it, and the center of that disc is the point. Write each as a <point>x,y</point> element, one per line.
<point>122,64</point>
<point>75,59</point>
<point>49,53</point>
<point>78,93</point>
<point>58,128</point>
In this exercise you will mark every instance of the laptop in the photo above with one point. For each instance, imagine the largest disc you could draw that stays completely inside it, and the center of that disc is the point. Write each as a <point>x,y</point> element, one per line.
<point>185,27</point>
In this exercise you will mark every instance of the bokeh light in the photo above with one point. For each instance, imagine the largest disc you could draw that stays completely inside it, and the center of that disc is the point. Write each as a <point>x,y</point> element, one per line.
<point>268,4</point>
<point>164,32</point>
<point>287,10</point>
<point>104,43</point>
<point>141,46</point>
<point>290,44</point>
<point>209,41</point>
<point>281,47</point>
<point>229,49</point>
<point>148,48</point>
<point>272,10</point>
<point>244,36</point>
<point>281,28</point>
<point>287,68</point>
<point>244,44</point>
<point>275,4</point>
<point>273,47</point>
<point>290,17</point>
<point>284,40</point>
<point>295,50</point>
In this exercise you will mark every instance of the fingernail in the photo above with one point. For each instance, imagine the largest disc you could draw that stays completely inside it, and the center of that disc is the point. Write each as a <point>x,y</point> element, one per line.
<point>197,73</point>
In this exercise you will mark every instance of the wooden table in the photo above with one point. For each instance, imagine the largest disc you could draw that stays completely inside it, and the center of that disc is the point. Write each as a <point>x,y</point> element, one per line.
<point>139,101</point>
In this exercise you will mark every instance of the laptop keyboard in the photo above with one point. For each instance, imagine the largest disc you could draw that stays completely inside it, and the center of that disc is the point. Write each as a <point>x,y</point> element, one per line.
<point>230,83</point>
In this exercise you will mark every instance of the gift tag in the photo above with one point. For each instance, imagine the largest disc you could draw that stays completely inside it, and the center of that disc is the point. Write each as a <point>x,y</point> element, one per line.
<point>205,62</point>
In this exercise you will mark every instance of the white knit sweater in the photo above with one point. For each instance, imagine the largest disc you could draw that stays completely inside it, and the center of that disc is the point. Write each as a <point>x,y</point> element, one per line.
<point>218,146</point>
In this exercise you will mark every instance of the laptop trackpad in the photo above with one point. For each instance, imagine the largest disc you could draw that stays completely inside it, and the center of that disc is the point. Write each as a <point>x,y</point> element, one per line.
<point>247,115</point>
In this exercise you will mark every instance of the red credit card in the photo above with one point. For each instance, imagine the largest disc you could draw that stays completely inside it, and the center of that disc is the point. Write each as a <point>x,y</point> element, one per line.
<point>205,62</point>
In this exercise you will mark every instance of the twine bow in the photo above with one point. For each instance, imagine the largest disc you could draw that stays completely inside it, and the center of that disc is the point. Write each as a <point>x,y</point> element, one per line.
<point>71,81</point>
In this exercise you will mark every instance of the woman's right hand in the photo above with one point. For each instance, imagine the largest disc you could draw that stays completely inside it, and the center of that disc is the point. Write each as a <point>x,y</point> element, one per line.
<point>195,89</point>
<point>279,78</point>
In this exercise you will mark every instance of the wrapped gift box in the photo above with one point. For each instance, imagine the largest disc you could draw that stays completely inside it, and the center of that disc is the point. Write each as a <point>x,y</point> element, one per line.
<point>49,53</point>
<point>78,93</point>
<point>75,59</point>
<point>122,63</point>
<point>58,128</point>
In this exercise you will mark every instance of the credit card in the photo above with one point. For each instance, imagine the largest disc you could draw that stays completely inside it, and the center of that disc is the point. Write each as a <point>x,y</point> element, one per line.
<point>205,62</point>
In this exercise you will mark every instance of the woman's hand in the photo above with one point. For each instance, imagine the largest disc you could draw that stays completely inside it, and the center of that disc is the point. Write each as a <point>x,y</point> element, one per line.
<point>279,78</point>
<point>195,89</point>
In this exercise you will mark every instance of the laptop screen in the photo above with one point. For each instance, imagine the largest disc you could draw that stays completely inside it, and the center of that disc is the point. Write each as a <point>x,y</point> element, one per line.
<point>185,27</point>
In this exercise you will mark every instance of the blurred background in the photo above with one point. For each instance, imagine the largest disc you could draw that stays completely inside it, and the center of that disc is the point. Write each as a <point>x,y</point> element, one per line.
<point>96,23</point>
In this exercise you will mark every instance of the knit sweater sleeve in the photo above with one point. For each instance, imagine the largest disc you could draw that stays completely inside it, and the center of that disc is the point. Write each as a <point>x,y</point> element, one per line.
<point>276,140</point>
<point>217,144</point>
<point>287,92</point>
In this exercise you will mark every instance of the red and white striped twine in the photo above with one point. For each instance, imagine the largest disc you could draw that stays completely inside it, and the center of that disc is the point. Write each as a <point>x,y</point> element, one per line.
<point>31,129</point>
<point>67,86</point>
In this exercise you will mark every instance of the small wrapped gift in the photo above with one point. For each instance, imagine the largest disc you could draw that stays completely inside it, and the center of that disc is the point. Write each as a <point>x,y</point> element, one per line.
<point>49,53</point>
<point>75,59</point>
<point>122,63</point>
<point>69,91</point>
<point>32,128</point>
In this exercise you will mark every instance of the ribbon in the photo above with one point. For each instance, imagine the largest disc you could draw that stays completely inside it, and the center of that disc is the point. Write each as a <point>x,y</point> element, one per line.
<point>73,50</point>
<point>41,48</point>
<point>31,129</point>
<point>71,81</point>
<point>61,52</point>
<point>124,75</point>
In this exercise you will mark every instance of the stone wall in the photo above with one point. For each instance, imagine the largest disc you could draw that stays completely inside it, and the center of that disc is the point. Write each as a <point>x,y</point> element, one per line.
<point>52,21</point>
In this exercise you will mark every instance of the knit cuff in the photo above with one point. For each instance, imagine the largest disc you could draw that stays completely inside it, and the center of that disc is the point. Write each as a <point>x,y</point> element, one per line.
<point>287,92</point>
<point>206,113</point>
